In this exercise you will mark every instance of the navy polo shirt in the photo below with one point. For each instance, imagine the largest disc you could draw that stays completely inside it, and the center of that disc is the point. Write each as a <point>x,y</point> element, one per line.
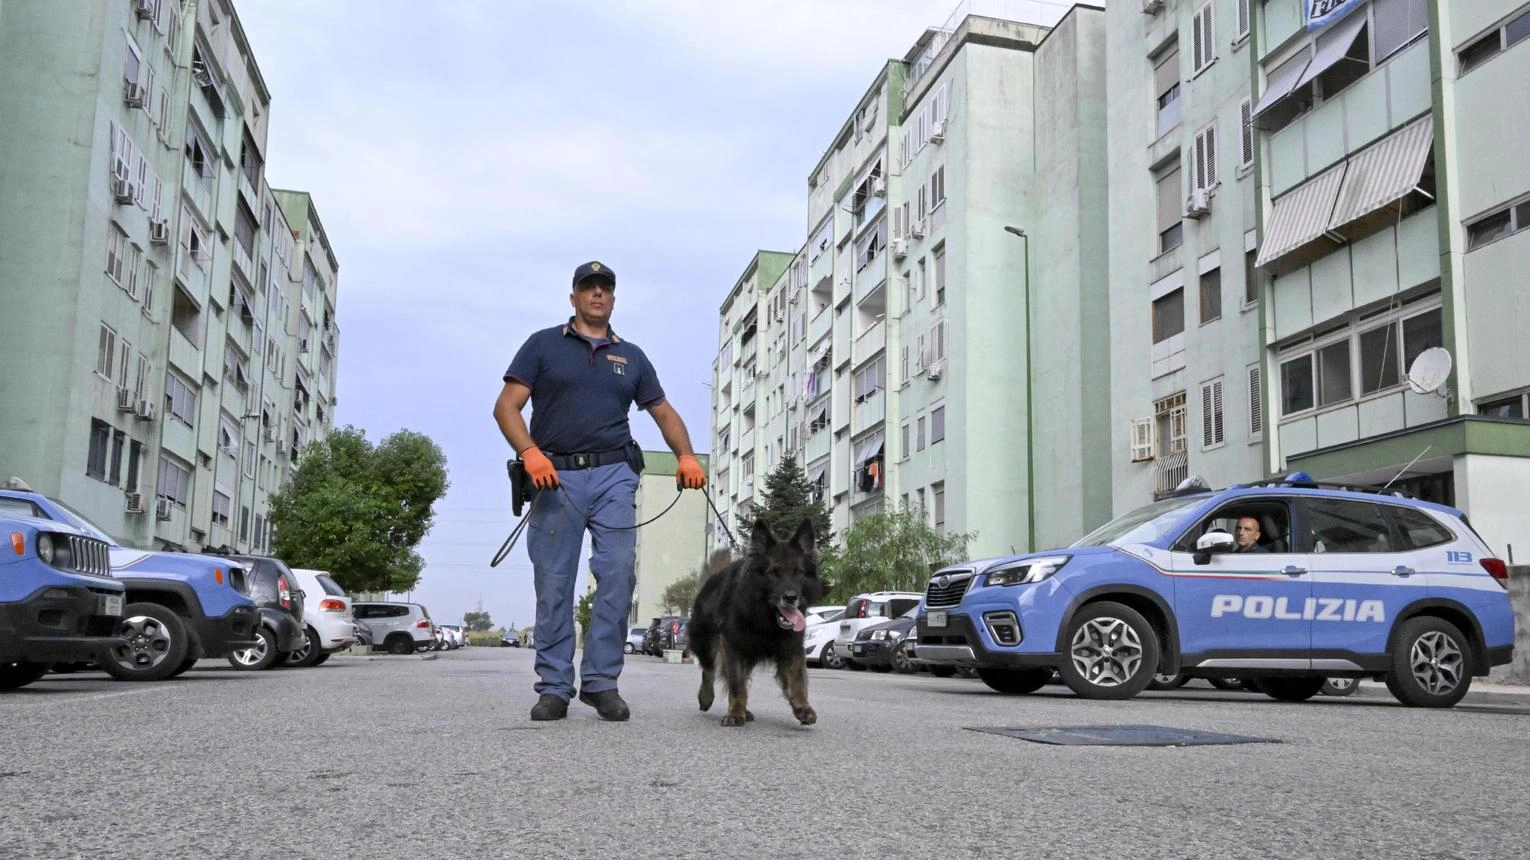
<point>582,389</point>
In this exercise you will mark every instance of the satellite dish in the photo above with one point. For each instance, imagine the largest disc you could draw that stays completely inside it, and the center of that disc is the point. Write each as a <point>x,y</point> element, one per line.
<point>1430,370</point>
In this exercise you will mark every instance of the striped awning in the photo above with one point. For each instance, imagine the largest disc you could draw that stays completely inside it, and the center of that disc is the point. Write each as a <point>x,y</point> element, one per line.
<point>867,448</point>
<point>816,473</point>
<point>1301,214</point>
<point>1331,47</point>
<point>1383,173</point>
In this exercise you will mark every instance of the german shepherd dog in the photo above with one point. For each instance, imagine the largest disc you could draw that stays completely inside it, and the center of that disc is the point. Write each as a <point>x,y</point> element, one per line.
<point>751,611</point>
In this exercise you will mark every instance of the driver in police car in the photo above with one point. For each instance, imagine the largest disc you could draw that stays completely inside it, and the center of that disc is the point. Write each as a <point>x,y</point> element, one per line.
<point>1247,535</point>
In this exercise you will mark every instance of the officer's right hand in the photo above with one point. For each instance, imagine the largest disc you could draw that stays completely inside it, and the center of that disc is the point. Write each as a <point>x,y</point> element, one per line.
<point>541,470</point>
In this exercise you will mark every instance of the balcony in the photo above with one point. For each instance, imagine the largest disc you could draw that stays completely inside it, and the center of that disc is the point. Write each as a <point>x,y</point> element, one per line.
<point>817,446</point>
<point>199,189</point>
<point>192,273</point>
<point>820,325</point>
<point>870,342</point>
<point>869,412</point>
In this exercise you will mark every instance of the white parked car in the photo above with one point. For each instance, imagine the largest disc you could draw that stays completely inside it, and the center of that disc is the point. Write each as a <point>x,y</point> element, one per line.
<point>866,609</point>
<point>326,618</point>
<point>634,642</point>
<point>818,643</point>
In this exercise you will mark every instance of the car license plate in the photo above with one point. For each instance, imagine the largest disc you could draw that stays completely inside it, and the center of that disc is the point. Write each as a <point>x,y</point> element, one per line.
<point>111,604</point>
<point>857,649</point>
<point>935,619</point>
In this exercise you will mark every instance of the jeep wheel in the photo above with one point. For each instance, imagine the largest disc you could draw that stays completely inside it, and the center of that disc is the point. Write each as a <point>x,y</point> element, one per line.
<point>307,654</point>
<point>156,644</point>
<point>13,675</point>
<point>1339,687</point>
<point>1168,681</point>
<point>259,657</point>
<point>1431,667</point>
<point>831,658</point>
<point>1289,689</point>
<point>1112,652</point>
<point>185,666</point>
<point>1016,682</point>
<point>400,643</point>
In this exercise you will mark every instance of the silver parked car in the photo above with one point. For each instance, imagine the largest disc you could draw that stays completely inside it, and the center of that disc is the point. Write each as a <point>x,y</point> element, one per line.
<point>399,628</point>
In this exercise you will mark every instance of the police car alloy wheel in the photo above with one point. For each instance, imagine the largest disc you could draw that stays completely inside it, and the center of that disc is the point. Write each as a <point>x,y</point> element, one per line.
<point>1431,664</point>
<point>1112,652</point>
<point>156,644</point>
<point>1341,686</point>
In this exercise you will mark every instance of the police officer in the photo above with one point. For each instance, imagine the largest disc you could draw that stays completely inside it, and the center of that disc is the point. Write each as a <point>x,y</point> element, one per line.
<point>582,380</point>
<point>1247,536</point>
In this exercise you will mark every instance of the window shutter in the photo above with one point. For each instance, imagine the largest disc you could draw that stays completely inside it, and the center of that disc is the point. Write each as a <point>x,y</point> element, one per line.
<point>1208,437</point>
<point>1217,426</point>
<point>1211,155</point>
<point>1195,44</point>
<point>1255,400</point>
<point>1242,18</point>
<point>1142,439</point>
<point>1208,35</point>
<point>1169,200</point>
<point>1246,119</point>
<point>1166,75</point>
<point>1200,161</point>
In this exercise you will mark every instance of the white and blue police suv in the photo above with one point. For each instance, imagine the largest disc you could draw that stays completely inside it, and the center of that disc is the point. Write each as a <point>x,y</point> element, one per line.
<point>1320,583</point>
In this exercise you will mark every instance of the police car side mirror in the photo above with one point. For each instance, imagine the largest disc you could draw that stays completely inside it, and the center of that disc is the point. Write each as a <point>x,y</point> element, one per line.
<point>1213,542</point>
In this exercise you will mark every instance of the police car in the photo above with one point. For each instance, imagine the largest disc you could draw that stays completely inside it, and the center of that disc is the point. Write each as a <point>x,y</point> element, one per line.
<point>1327,582</point>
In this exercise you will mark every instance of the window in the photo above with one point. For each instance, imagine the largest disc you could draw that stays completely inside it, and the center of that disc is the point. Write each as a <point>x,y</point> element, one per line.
<point>1339,525</point>
<point>920,279</point>
<point>174,481</point>
<point>245,228</point>
<point>119,439</point>
<point>150,276</point>
<point>1250,279</point>
<point>1211,295</point>
<point>1169,421</point>
<point>106,351</point>
<point>1496,225</point>
<point>124,362</point>
<point>919,435</point>
<point>116,253</point>
<point>1418,529</point>
<point>132,63</point>
<point>937,424</point>
<point>1142,439</point>
<point>1170,231</point>
<point>1506,407</point>
<point>180,400</point>
<point>1168,316</point>
<point>199,153</point>
<point>871,246</point>
<point>134,261</point>
<point>1243,18</point>
<point>1333,382</point>
<point>221,504</point>
<point>903,441</point>
<point>940,508</point>
<point>1206,158</point>
<point>1204,37</point>
<point>938,187</point>
<point>1296,387</point>
<point>1166,85</point>
<point>135,456</point>
<point>1255,400</point>
<point>870,379</point>
<point>1323,376</point>
<point>228,436</point>
<point>940,277</point>
<point>100,449</point>
<point>1212,432</point>
<point>1246,133</point>
<point>1490,44</point>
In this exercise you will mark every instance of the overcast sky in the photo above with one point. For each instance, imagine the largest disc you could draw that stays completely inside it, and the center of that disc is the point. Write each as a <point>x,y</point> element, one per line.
<point>466,155</point>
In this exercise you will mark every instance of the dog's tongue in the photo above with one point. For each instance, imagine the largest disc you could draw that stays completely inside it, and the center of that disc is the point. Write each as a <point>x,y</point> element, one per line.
<point>794,615</point>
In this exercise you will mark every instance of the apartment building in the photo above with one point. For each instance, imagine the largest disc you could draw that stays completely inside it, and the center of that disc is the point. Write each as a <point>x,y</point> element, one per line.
<point>905,345</point>
<point>672,547</point>
<point>154,280</point>
<point>1186,375</point>
<point>1392,211</point>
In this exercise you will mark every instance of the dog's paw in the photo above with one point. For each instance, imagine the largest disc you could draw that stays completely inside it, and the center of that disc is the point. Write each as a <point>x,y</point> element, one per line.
<point>731,720</point>
<point>705,699</point>
<point>805,715</point>
<point>748,716</point>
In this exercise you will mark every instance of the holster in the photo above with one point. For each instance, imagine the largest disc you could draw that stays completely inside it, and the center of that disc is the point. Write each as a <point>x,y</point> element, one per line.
<point>520,485</point>
<point>635,457</point>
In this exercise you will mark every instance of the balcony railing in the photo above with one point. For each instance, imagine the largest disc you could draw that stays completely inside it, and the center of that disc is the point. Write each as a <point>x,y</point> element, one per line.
<point>1168,471</point>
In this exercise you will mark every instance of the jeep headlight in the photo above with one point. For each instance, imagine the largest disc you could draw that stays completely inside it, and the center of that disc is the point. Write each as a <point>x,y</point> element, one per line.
<point>45,547</point>
<point>1028,571</point>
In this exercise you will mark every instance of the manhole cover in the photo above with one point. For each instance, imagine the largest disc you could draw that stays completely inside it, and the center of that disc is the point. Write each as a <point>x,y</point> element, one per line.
<point>1121,736</point>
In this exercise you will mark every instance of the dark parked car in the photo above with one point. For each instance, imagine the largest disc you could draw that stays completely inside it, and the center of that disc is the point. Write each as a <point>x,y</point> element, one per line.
<point>882,646</point>
<point>280,601</point>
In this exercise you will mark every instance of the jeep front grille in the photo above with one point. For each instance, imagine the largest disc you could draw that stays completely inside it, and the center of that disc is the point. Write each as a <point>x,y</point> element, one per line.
<point>946,589</point>
<point>89,556</point>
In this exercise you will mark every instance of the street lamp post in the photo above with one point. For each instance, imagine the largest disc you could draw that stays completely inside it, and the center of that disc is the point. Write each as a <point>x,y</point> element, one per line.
<point>1030,443</point>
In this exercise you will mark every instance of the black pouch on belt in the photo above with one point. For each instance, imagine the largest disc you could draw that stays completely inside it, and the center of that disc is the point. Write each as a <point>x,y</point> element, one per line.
<point>635,456</point>
<point>520,486</point>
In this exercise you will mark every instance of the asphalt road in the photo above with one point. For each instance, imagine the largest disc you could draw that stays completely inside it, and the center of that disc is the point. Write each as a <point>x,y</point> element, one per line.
<point>407,757</point>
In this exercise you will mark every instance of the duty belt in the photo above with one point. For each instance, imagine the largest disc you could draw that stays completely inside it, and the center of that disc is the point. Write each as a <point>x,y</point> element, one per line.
<point>588,459</point>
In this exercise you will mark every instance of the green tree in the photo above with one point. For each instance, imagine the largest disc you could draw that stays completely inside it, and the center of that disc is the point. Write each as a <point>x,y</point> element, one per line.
<point>680,595</point>
<point>359,510</point>
<point>477,622</point>
<point>893,551</point>
<point>582,611</point>
<point>788,500</point>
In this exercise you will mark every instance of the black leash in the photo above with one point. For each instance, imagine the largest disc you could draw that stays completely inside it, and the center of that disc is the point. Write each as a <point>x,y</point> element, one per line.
<point>520,528</point>
<point>721,520</point>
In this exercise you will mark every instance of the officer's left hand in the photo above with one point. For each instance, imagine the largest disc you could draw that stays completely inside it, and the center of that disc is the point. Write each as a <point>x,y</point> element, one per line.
<point>689,475</point>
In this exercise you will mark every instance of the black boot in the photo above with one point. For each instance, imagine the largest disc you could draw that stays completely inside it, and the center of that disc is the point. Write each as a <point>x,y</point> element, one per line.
<point>549,707</point>
<point>607,703</point>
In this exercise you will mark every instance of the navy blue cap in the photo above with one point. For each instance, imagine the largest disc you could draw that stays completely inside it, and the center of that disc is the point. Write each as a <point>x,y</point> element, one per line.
<point>594,269</point>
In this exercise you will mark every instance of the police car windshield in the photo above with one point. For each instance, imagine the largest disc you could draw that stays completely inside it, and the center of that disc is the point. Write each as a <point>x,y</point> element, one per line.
<point>1143,525</point>
<point>77,519</point>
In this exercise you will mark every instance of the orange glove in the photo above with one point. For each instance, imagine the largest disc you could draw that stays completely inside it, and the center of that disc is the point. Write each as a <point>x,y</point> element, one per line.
<point>689,475</point>
<point>541,470</point>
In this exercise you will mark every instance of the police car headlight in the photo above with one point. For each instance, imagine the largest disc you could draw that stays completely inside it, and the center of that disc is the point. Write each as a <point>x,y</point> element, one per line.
<point>1028,571</point>
<point>45,550</point>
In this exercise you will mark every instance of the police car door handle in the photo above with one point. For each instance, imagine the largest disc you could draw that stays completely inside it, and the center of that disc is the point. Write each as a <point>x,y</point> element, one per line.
<point>1403,570</point>
<point>1293,570</point>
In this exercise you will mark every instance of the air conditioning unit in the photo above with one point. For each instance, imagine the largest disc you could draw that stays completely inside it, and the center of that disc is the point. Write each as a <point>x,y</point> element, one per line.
<point>281,446</point>
<point>159,232</point>
<point>938,132</point>
<point>132,93</point>
<point>124,400</point>
<point>936,368</point>
<point>144,9</point>
<point>916,229</point>
<point>899,248</point>
<point>144,410</point>
<point>162,509</point>
<point>123,190</point>
<point>1198,203</point>
<point>134,503</point>
<point>1151,7</point>
<point>879,186</point>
